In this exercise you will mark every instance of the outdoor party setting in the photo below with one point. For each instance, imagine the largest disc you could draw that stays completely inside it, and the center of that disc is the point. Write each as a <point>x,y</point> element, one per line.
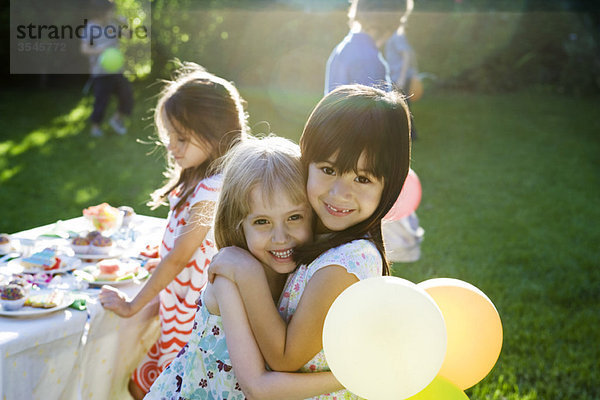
<point>300,199</point>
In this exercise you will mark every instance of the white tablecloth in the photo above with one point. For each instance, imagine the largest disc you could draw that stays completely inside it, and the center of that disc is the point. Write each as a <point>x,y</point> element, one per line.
<point>73,354</point>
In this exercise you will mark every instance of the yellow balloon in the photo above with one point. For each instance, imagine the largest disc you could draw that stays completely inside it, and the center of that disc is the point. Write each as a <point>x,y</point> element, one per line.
<point>440,389</point>
<point>474,330</point>
<point>384,338</point>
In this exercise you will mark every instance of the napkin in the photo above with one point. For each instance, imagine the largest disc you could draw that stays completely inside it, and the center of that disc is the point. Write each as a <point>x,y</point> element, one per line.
<point>80,303</point>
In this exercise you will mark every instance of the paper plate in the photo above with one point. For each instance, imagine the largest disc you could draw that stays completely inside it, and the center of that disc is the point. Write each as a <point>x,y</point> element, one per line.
<point>15,267</point>
<point>26,312</point>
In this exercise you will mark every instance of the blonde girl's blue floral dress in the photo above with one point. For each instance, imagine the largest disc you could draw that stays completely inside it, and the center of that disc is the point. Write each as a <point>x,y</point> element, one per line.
<point>202,370</point>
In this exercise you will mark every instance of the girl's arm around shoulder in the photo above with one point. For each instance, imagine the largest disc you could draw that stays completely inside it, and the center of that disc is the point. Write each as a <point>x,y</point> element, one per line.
<point>287,347</point>
<point>248,363</point>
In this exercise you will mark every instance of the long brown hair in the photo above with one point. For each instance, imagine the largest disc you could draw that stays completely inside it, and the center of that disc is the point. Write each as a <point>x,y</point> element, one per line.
<point>349,121</point>
<point>202,106</point>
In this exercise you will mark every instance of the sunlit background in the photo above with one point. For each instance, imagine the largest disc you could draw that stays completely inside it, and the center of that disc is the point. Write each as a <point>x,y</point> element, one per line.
<point>507,151</point>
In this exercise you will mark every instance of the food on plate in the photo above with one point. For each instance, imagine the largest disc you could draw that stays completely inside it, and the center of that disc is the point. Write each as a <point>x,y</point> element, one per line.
<point>104,217</point>
<point>12,296</point>
<point>46,260</point>
<point>113,270</point>
<point>45,300</point>
<point>21,282</point>
<point>5,244</point>
<point>12,291</point>
<point>101,245</point>
<point>91,235</point>
<point>150,251</point>
<point>80,245</point>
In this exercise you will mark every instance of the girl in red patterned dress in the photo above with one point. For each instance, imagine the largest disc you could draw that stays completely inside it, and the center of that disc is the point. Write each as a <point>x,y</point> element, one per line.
<point>199,116</point>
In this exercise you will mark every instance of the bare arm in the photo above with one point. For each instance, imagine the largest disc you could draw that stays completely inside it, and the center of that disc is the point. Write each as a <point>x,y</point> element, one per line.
<point>248,363</point>
<point>284,347</point>
<point>169,267</point>
<point>289,347</point>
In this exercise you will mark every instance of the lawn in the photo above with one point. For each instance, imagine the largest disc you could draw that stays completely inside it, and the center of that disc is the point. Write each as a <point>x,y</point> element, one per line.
<point>511,188</point>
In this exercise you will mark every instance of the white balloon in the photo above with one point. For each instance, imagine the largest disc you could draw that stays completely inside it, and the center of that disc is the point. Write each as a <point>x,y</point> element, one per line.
<point>384,338</point>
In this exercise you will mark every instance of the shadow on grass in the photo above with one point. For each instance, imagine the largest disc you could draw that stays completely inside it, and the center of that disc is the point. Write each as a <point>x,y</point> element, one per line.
<point>52,168</point>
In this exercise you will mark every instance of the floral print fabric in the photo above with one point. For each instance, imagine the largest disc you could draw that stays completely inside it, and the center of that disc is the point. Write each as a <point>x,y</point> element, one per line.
<point>202,369</point>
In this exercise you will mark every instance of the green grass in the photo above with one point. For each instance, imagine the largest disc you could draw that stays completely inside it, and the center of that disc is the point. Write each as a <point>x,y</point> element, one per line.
<point>511,188</point>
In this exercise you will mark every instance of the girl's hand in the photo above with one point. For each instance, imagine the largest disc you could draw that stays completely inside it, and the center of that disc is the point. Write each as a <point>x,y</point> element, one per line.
<point>229,261</point>
<point>151,264</point>
<point>116,301</point>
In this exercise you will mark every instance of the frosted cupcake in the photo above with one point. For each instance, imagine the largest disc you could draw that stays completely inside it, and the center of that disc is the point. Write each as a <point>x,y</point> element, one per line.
<point>12,297</point>
<point>92,235</point>
<point>80,245</point>
<point>101,245</point>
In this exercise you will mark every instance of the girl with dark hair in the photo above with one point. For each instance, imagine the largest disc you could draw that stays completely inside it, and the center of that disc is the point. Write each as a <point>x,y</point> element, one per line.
<point>262,209</point>
<point>199,116</point>
<point>356,152</point>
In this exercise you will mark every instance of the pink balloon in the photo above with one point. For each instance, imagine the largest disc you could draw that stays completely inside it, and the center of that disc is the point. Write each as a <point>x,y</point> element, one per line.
<point>409,198</point>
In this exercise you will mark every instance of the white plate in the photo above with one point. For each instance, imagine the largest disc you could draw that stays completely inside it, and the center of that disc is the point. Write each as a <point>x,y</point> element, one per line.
<point>89,271</point>
<point>14,266</point>
<point>141,274</point>
<point>34,312</point>
<point>114,252</point>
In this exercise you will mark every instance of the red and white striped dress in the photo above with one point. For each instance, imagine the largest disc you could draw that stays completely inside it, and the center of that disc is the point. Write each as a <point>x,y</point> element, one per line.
<point>178,300</point>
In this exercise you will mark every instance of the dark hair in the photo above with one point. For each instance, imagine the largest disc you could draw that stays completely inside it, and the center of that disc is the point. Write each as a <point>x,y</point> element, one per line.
<point>198,105</point>
<point>349,121</point>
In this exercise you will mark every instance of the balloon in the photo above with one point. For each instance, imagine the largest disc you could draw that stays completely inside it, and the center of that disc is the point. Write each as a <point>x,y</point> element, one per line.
<point>440,389</point>
<point>409,198</point>
<point>112,60</point>
<point>474,330</point>
<point>384,338</point>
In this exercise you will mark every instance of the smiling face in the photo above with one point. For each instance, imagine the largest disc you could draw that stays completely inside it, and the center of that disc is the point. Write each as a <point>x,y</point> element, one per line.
<point>274,228</point>
<point>342,200</point>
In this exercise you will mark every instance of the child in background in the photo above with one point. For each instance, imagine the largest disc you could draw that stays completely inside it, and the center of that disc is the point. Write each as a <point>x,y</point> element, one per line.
<point>356,152</point>
<point>105,83</point>
<point>400,55</point>
<point>356,59</point>
<point>402,62</point>
<point>263,209</point>
<point>199,116</point>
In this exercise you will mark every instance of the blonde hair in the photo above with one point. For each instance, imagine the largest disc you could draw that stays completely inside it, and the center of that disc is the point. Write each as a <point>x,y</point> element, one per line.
<point>200,106</point>
<point>271,162</point>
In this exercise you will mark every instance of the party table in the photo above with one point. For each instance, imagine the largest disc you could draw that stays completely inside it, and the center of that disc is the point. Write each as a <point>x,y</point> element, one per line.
<point>73,354</point>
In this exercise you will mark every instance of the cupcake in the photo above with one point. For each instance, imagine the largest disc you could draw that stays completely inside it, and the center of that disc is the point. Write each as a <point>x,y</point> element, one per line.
<point>21,282</point>
<point>92,235</point>
<point>12,297</point>
<point>101,245</point>
<point>80,245</point>
<point>5,245</point>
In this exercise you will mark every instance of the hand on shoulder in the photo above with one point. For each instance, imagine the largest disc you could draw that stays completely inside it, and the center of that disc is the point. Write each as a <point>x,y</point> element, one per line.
<point>230,262</point>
